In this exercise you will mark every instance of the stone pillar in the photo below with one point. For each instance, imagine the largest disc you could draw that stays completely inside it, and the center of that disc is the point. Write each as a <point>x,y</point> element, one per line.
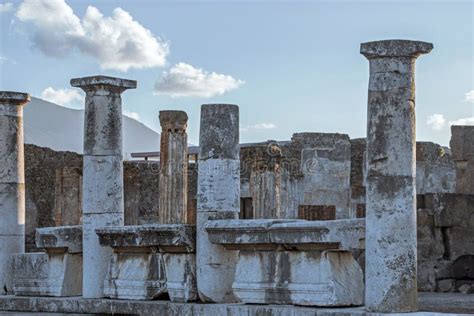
<point>102,172</point>
<point>12,183</point>
<point>218,197</point>
<point>265,182</point>
<point>173,168</point>
<point>390,279</point>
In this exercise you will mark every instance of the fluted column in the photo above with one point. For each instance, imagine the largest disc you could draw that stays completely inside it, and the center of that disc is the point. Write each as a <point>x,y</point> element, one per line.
<point>12,183</point>
<point>173,168</point>
<point>218,197</point>
<point>102,172</point>
<point>390,279</point>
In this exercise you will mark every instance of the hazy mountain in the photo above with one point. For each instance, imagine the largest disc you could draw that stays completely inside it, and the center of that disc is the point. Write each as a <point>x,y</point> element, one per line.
<point>50,125</point>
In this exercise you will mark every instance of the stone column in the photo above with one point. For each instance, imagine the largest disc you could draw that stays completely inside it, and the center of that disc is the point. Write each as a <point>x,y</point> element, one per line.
<point>12,183</point>
<point>173,168</point>
<point>218,197</point>
<point>391,176</point>
<point>102,172</point>
<point>265,182</point>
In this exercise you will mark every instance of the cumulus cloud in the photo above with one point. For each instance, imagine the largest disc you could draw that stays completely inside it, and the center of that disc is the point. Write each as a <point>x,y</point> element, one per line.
<point>463,121</point>
<point>469,96</point>
<point>133,115</point>
<point>436,121</point>
<point>64,97</point>
<point>183,80</point>
<point>258,126</point>
<point>117,42</point>
<point>6,7</point>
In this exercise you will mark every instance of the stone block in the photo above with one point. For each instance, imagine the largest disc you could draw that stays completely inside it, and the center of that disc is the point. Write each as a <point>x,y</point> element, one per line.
<point>65,238</point>
<point>166,237</point>
<point>461,143</point>
<point>9,245</point>
<point>451,209</point>
<point>12,208</point>
<point>301,278</point>
<point>317,212</point>
<point>218,187</point>
<point>430,238</point>
<point>180,276</point>
<point>135,275</point>
<point>96,257</point>
<point>42,274</point>
<point>446,285</point>
<point>461,241</point>
<point>103,184</point>
<point>68,196</point>
<point>429,272</point>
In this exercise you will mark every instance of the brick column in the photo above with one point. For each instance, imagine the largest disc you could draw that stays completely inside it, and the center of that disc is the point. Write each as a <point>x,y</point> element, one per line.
<point>12,183</point>
<point>390,279</point>
<point>173,168</point>
<point>102,172</point>
<point>218,197</point>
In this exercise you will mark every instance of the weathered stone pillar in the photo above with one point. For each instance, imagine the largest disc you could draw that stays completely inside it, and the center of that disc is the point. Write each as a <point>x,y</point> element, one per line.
<point>218,197</point>
<point>173,168</point>
<point>265,182</point>
<point>102,172</point>
<point>390,279</point>
<point>12,183</point>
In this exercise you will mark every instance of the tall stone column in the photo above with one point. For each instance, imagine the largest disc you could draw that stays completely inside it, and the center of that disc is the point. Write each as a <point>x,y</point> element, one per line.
<point>102,172</point>
<point>390,279</point>
<point>173,168</point>
<point>12,183</point>
<point>218,197</point>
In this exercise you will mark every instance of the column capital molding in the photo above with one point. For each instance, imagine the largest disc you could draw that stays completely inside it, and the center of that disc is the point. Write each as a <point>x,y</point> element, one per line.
<point>395,48</point>
<point>94,83</point>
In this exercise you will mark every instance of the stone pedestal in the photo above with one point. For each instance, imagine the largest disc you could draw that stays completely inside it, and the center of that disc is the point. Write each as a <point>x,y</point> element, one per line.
<point>218,197</point>
<point>173,168</point>
<point>149,261</point>
<point>12,183</point>
<point>56,272</point>
<point>294,262</point>
<point>102,171</point>
<point>391,176</point>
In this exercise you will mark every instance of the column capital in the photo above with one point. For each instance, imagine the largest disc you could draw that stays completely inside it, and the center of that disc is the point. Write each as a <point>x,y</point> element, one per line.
<point>395,48</point>
<point>173,120</point>
<point>94,83</point>
<point>14,98</point>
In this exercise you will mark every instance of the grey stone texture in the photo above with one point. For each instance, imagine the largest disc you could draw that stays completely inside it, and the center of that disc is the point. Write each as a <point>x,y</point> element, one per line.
<point>151,260</point>
<point>218,197</point>
<point>173,168</point>
<point>391,177</point>
<point>12,183</point>
<point>68,196</point>
<point>462,146</point>
<point>103,203</point>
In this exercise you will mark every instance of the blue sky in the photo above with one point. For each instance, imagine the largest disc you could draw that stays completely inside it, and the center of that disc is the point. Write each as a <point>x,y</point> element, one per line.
<point>290,66</point>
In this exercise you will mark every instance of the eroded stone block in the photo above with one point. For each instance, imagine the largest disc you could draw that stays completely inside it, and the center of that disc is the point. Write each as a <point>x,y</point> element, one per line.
<point>42,274</point>
<point>66,238</point>
<point>135,275</point>
<point>181,276</point>
<point>301,278</point>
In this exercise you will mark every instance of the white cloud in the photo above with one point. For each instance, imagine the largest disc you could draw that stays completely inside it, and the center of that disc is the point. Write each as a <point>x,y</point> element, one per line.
<point>463,121</point>
<point>65,97</point>
<point>183,80</point>
<point>6,7</point>
<point>436,121</point>
<point>133,115</point>
<point>258,126</point>
<point>117,42</point>
<point>469,96</point>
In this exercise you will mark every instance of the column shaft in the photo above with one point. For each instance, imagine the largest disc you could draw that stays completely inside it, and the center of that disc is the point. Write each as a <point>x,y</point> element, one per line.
<point>12,183</point>
<point>391,176</point>
<point>173,168</point>
<point>103,203</point>
<point>218,197</point>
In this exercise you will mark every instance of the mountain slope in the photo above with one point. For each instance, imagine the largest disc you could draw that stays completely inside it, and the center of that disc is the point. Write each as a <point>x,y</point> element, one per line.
<point>50,125</point>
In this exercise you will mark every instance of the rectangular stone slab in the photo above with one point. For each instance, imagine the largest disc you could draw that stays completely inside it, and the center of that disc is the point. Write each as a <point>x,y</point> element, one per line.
<point>167,237</point>
<point>287,234</point>
<point>66,238</point>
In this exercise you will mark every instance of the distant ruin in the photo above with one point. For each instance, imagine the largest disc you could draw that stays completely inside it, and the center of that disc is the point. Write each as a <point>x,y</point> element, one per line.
<point>319,220</point>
